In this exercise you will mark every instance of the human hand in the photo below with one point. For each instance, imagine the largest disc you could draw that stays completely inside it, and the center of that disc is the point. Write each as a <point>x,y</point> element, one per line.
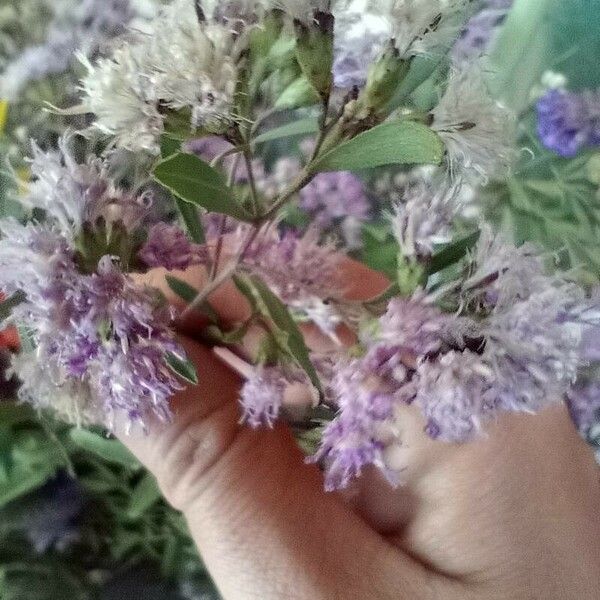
<point>511,516</point>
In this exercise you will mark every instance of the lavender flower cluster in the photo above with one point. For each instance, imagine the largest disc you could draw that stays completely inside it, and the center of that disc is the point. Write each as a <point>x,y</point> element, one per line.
<point>469,328</point>
<point>87,27</point>
<point>569,121</point>
<point>101,340</point>
<point>517,349</point>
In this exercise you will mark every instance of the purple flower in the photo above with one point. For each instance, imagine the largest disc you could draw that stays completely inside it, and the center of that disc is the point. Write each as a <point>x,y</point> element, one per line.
<point>418,328</point>
<point>101,340</point>
<point>453,395</point>
<point>584,406</point>
<point>73,194</point>
<point>355,439</point>
<point>334,197</point>
<point>423,219</point>
<point>262,396</point>
<point>86,28</point>
<point>479,31</point>
<point>169,247</point>
<point>297,268</point>
<point>568,121</point>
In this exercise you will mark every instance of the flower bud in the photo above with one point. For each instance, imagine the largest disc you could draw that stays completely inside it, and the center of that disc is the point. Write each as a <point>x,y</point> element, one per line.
<point>264,37</point>
<point>384,77</point>
<point>299,93</point>
<point>411,275</point>
<point>314,51</point>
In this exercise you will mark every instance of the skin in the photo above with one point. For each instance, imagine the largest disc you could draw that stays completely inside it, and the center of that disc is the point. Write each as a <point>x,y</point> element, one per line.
<point>514,515</point>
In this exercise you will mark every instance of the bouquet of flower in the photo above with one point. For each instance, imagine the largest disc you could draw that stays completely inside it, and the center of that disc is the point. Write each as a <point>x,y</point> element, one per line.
<point>470,325</point>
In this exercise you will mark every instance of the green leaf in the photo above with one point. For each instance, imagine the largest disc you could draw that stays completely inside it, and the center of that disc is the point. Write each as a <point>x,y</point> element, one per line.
<point>184,368</point>
<point>182,289</point>
<point>111,451</point>
<point>380,253</point>
<point>306,126</point>
<point>452,253</point>
<point>398,142</point>
<point>143,496</point>
<point>299,93</point>
<point>7,305</point>
<point>287,333</point>
<point>43,578</point>
<point>188,294</point>
<point>21,483</point>
<point>421,69</point>
<point>191,218</point>
<point>169,146</point>
<point>522,52</point>
<point>195,181</point>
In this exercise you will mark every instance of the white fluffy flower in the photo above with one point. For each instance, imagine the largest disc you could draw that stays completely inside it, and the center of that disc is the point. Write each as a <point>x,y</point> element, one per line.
<point>479,133</point>
<point>192,64</point>
<point>424,218</point>
<point>180,63</point>
<point>117,92</point>
<point>422,26</point>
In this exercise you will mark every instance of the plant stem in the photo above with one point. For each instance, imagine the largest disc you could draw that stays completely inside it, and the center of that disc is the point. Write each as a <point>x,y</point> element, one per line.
<point>217,159</point>
<point>202,296</point>
<point>303,179</point>
<point>252,181</point>
<point>323,129</point>
<point>223,222</point>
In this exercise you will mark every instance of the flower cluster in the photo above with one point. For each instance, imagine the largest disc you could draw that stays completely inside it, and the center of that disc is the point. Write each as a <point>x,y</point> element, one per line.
<point>86,28</point>
<point>478,131</point>
<point>101,341</point>
<point>569,121</point>
<point>471,326</point>
<point>186,60</point>
<point>519,351</point>
<point>480,30</point>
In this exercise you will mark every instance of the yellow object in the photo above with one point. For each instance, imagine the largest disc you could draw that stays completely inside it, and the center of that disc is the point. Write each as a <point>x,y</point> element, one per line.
<point>23,177</point>
<point>3,114</point>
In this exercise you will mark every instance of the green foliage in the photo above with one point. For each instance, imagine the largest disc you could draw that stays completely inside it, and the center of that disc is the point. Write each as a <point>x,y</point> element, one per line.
<point>300,127</point>
<point>452,253</point>
<point>195,181</point>
<point>396,142</point>
<point>380,249</point>
<point>109,450</point>
<point>552,202</point>
<point>191,218</point>
<point>314,51</point>
<point>183,368</point>
<point>522,52</point>
<point>420,70</point>
<point>297,94</point>
<point>284,328</point>
<point>125,522</point>
<point>188,294</point>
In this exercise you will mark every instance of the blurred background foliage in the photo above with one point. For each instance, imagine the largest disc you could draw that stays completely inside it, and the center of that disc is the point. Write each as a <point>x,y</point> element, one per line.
<point>79,517</point>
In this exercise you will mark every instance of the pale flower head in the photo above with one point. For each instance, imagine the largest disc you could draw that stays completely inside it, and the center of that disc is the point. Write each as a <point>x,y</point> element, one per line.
<point>424,218</point>
<point>192,64</point>
<point>122,100</point>
<point>179,63</point>
<point>422,27</point>
<point>479,133</point>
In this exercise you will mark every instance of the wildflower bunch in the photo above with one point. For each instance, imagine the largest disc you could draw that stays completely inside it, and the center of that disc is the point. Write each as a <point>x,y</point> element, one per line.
<point>470,327</point>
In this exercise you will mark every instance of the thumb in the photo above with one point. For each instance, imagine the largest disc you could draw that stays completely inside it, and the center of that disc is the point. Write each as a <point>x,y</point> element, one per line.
<point>259,515</point>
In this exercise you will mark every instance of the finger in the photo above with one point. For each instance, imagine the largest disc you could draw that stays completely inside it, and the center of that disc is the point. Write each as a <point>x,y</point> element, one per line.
<point>502,487</point>
<point>259,515</point>
<point>357,281</point>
